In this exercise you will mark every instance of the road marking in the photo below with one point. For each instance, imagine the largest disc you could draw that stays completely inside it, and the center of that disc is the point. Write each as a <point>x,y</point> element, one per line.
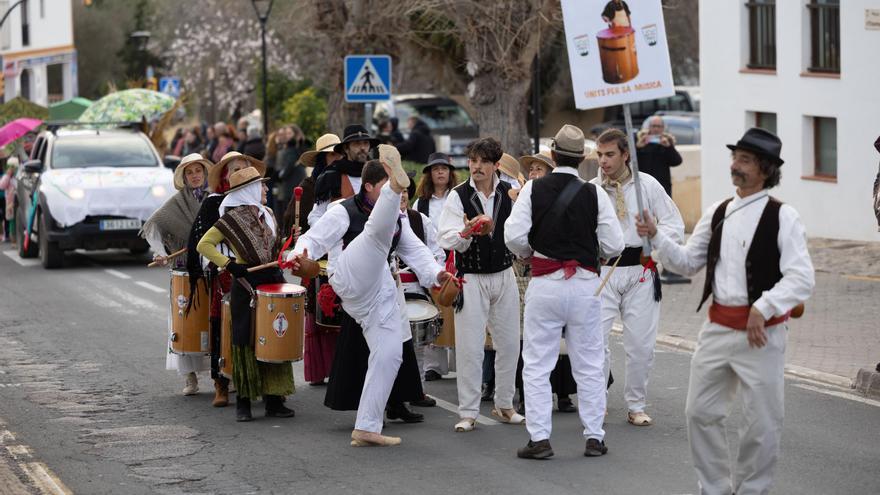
<point>149,286</point>
<point>842,395</point>
<point>863,278</point>
<point>13,255</point>
<point>483,420</point>
<point>41,477</point>
<point>118,274</point>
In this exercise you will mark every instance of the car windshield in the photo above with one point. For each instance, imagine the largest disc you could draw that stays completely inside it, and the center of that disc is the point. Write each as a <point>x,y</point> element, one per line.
<point>102,151</point>
<point>437,115</point>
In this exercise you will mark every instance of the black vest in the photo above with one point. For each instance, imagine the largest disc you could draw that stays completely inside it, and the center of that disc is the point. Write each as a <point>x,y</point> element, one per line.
<point>762,260</point>
<point>358,213</point>
<point>424,207</point>
<point>487,253</point>
<point>415,222</point>
<point>570,235</point>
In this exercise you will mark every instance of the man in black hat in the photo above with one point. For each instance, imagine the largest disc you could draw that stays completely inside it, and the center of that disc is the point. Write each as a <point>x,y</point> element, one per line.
<point>342,179</point>
<point>758,269</point>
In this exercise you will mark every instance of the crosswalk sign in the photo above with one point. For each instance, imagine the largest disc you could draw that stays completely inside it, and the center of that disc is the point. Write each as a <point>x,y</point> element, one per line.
<point>367,78</point>
<point>170,86</point>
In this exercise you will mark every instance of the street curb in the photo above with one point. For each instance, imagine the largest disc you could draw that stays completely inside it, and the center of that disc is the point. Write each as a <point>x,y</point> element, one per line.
<point>867,383</point>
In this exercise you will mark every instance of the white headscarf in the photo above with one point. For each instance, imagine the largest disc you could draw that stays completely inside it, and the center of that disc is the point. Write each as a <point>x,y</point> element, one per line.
<point>250,194</point>
<point>514,184</point>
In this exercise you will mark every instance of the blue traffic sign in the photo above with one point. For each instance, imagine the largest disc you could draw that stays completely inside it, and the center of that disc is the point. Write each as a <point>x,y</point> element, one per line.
<point>367,78</point>
<point>170,86</point>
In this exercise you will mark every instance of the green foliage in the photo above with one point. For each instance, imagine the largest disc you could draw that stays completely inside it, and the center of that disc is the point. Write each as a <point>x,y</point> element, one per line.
<point>308,110</point>
<point>280,89</point>
<point>134,60</point>
<point>18,107</point>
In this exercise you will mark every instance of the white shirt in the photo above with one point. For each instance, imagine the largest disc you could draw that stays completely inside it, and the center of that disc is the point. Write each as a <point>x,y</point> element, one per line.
<point>430,236</point>
<point>656,201</point>
<point>729,287</point>
<point>319,209</point>
<point>452,218</point>
<point>519,223</point>
<point>435,205</point>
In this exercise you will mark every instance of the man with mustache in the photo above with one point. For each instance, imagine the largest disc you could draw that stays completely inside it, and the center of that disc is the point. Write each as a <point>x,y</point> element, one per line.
<point>758,269</point>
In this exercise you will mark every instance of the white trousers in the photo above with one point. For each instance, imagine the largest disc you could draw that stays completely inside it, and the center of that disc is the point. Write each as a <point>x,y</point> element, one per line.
<point>363,282</point>
<point>552,305</point>
<point>625,295</point>
<point>723,362</point>
<point>493,299</point>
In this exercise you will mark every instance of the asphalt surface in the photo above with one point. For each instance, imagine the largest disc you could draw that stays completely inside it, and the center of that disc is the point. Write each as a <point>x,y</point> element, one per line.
<point>83,385</point>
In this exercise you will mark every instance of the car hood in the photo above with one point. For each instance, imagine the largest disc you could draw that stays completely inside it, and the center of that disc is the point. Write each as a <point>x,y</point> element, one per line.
<point>136,192</point>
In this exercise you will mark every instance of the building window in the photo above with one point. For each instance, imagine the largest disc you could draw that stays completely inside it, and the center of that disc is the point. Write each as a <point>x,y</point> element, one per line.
<point>766,120</point>
<point>825,146</point>
<point>25,83</point>
<point>25,32</point>
<point>824,35</point>
<point>42,9</point>
<point>762,34</point>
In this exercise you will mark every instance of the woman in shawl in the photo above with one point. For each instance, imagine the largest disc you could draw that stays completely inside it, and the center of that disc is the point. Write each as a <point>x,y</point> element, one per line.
<point>248,228</point>
<point>167,231</point>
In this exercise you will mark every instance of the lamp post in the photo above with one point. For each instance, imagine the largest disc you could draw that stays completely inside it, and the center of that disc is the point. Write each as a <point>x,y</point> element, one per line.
<point>140,40</point>
<point>9,11</point>
<point>262,8</point>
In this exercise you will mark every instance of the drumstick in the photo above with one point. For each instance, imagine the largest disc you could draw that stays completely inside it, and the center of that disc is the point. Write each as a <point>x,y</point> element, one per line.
<point>605,280</point>
<point>297,194</point>
<point>264,265</point>
<point>175,254</point>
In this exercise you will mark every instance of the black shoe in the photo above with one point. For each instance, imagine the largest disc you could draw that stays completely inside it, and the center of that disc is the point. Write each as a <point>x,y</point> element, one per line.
<point>424,402</point>
<point>668,277</point>
<point>243,409</point>
<point>399,411</point>
<point>432,375</point>
<point>275,407</point>
<point>536,450</point>
<point>488,393</point>
<point>564,405</point>
<point>595,448</point>
<point>521,408</point>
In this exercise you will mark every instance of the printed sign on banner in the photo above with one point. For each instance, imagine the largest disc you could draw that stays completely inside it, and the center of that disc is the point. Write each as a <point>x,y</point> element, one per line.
<point>617,51</point>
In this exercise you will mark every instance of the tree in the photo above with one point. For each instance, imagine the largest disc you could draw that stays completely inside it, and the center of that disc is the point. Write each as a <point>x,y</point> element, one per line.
<point>135,57</point>
<point>308,111</point>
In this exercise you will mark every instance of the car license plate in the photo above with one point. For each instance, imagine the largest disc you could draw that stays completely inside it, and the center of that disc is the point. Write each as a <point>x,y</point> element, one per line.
<point>120,224</point>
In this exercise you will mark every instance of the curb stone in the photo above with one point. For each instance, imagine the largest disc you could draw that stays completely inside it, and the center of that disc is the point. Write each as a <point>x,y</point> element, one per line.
<point>867,383</point>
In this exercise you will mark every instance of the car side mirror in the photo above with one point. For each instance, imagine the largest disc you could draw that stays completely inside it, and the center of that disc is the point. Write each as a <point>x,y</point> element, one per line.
<point>171,161</point>
<point>33,166</point>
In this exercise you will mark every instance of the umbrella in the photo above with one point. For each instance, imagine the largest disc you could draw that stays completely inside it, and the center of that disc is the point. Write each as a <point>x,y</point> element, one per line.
<point>129,105</point>
<point>16,129</point>
<point>18,107</point>
<point>69,110</point>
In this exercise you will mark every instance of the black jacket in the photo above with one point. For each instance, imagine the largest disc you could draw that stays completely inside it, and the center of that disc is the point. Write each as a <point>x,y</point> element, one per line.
<point>655,160</point>
<point>419,145</point>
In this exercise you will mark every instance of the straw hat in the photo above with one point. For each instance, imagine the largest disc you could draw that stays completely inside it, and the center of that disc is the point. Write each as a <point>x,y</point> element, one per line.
<point>510,166</point>
<point>569,141</point>
<point>215,175</point>
<point>543,158</point>
<point>325,144</point>
<point>244,177</point>
<point>190,159</point>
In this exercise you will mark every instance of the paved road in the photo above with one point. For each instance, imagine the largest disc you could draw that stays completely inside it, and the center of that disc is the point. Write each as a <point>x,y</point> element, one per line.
<point>84,394</point>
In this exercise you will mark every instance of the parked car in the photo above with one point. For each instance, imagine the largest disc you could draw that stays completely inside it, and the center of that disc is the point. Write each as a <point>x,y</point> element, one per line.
<point>682,101</point>
<point>444,116</point>
<point>88,189</point>
<point>685,126</point>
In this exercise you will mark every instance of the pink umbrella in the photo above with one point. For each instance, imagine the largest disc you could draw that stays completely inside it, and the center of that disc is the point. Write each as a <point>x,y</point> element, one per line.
<point>16,129</point>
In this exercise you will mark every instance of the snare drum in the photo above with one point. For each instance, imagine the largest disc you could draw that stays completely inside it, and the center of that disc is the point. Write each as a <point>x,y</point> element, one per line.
<point>225,362</point>
<point>325,322</point>
<point>278,318</point>
<point>424,319</point>
<point>190,332</point>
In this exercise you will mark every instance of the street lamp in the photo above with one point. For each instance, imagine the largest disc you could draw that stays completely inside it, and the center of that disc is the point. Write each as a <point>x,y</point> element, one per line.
<point>140,39</point>
<point>262,8</point>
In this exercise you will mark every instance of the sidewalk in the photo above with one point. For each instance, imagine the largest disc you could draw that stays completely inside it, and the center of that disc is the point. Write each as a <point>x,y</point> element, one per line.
<point>839,332</point>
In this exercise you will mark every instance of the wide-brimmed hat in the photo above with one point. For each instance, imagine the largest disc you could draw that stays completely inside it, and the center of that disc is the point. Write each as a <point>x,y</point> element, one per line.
<point>437,158</point>
<point>190,159</point>
<point>510,166</point>
<point>355,132</point>
<point>325,144</point>
<point>762,142</point>
<point>543,158</point>
<point>569,141</point>
<point>243,177</point>
<point>215,175</point>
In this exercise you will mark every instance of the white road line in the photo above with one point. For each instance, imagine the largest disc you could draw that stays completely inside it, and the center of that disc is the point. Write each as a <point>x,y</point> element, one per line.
<point>13,255</point>
<point>842,395</point>
<point>41,477</point>
<point>149,286</point>
<point>118,274</point>
<point>483,420</point>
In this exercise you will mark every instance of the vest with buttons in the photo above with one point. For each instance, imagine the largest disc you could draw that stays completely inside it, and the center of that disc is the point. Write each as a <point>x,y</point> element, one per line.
<point>762,260</point>
<point>487,253</point>
<point>358,213</point>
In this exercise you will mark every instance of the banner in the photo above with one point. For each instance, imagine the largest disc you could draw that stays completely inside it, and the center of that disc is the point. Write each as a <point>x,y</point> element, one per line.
<point>617,51</point>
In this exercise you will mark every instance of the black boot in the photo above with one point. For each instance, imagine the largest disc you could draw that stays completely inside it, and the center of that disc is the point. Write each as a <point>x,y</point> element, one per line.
<point>565,405</point>
<point>275,407</point>
<point>399,411</point>
<point>243,409</point>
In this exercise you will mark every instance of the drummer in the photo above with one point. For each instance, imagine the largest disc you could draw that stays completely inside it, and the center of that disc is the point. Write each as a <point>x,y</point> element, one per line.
<point>167,231</point>
<point>247,226</point>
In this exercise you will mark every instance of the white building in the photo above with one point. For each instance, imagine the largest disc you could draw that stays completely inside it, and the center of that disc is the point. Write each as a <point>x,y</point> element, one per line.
<point>36,47</point>
<point>808,70</point>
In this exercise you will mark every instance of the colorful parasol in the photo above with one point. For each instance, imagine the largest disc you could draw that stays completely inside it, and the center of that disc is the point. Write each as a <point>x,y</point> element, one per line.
<point>16,129</point>
<point>129,105</point>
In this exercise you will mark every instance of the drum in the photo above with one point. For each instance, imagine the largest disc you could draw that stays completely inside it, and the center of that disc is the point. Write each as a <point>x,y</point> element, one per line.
<point>617,51</point>
<point>446,337</point>
<point>225,362</point>
<point>190,332</point>
<point>278,323</point>
<point>325,322</point>
<point>424,319</point>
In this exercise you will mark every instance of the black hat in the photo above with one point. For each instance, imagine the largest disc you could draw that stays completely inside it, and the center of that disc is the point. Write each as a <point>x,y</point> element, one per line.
<point>355,132</point>
<point>762,142</point>
<point>437,159</point>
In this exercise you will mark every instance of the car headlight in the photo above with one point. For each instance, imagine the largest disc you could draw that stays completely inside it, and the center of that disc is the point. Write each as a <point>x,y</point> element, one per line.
<point>158,191</point>
<point>76,193</point>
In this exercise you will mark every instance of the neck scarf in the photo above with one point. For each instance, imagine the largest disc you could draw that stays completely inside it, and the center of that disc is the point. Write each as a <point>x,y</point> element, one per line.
<point>249,195</point>
<point>617,184</point>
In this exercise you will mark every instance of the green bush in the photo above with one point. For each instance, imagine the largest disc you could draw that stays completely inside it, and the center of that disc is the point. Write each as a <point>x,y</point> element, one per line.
<point>307,110</point>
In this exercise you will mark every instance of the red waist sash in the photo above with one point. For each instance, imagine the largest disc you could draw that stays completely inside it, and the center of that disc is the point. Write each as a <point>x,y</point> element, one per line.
<point>407,278</point>
<point>737,317</point>
<point>546,266</point>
